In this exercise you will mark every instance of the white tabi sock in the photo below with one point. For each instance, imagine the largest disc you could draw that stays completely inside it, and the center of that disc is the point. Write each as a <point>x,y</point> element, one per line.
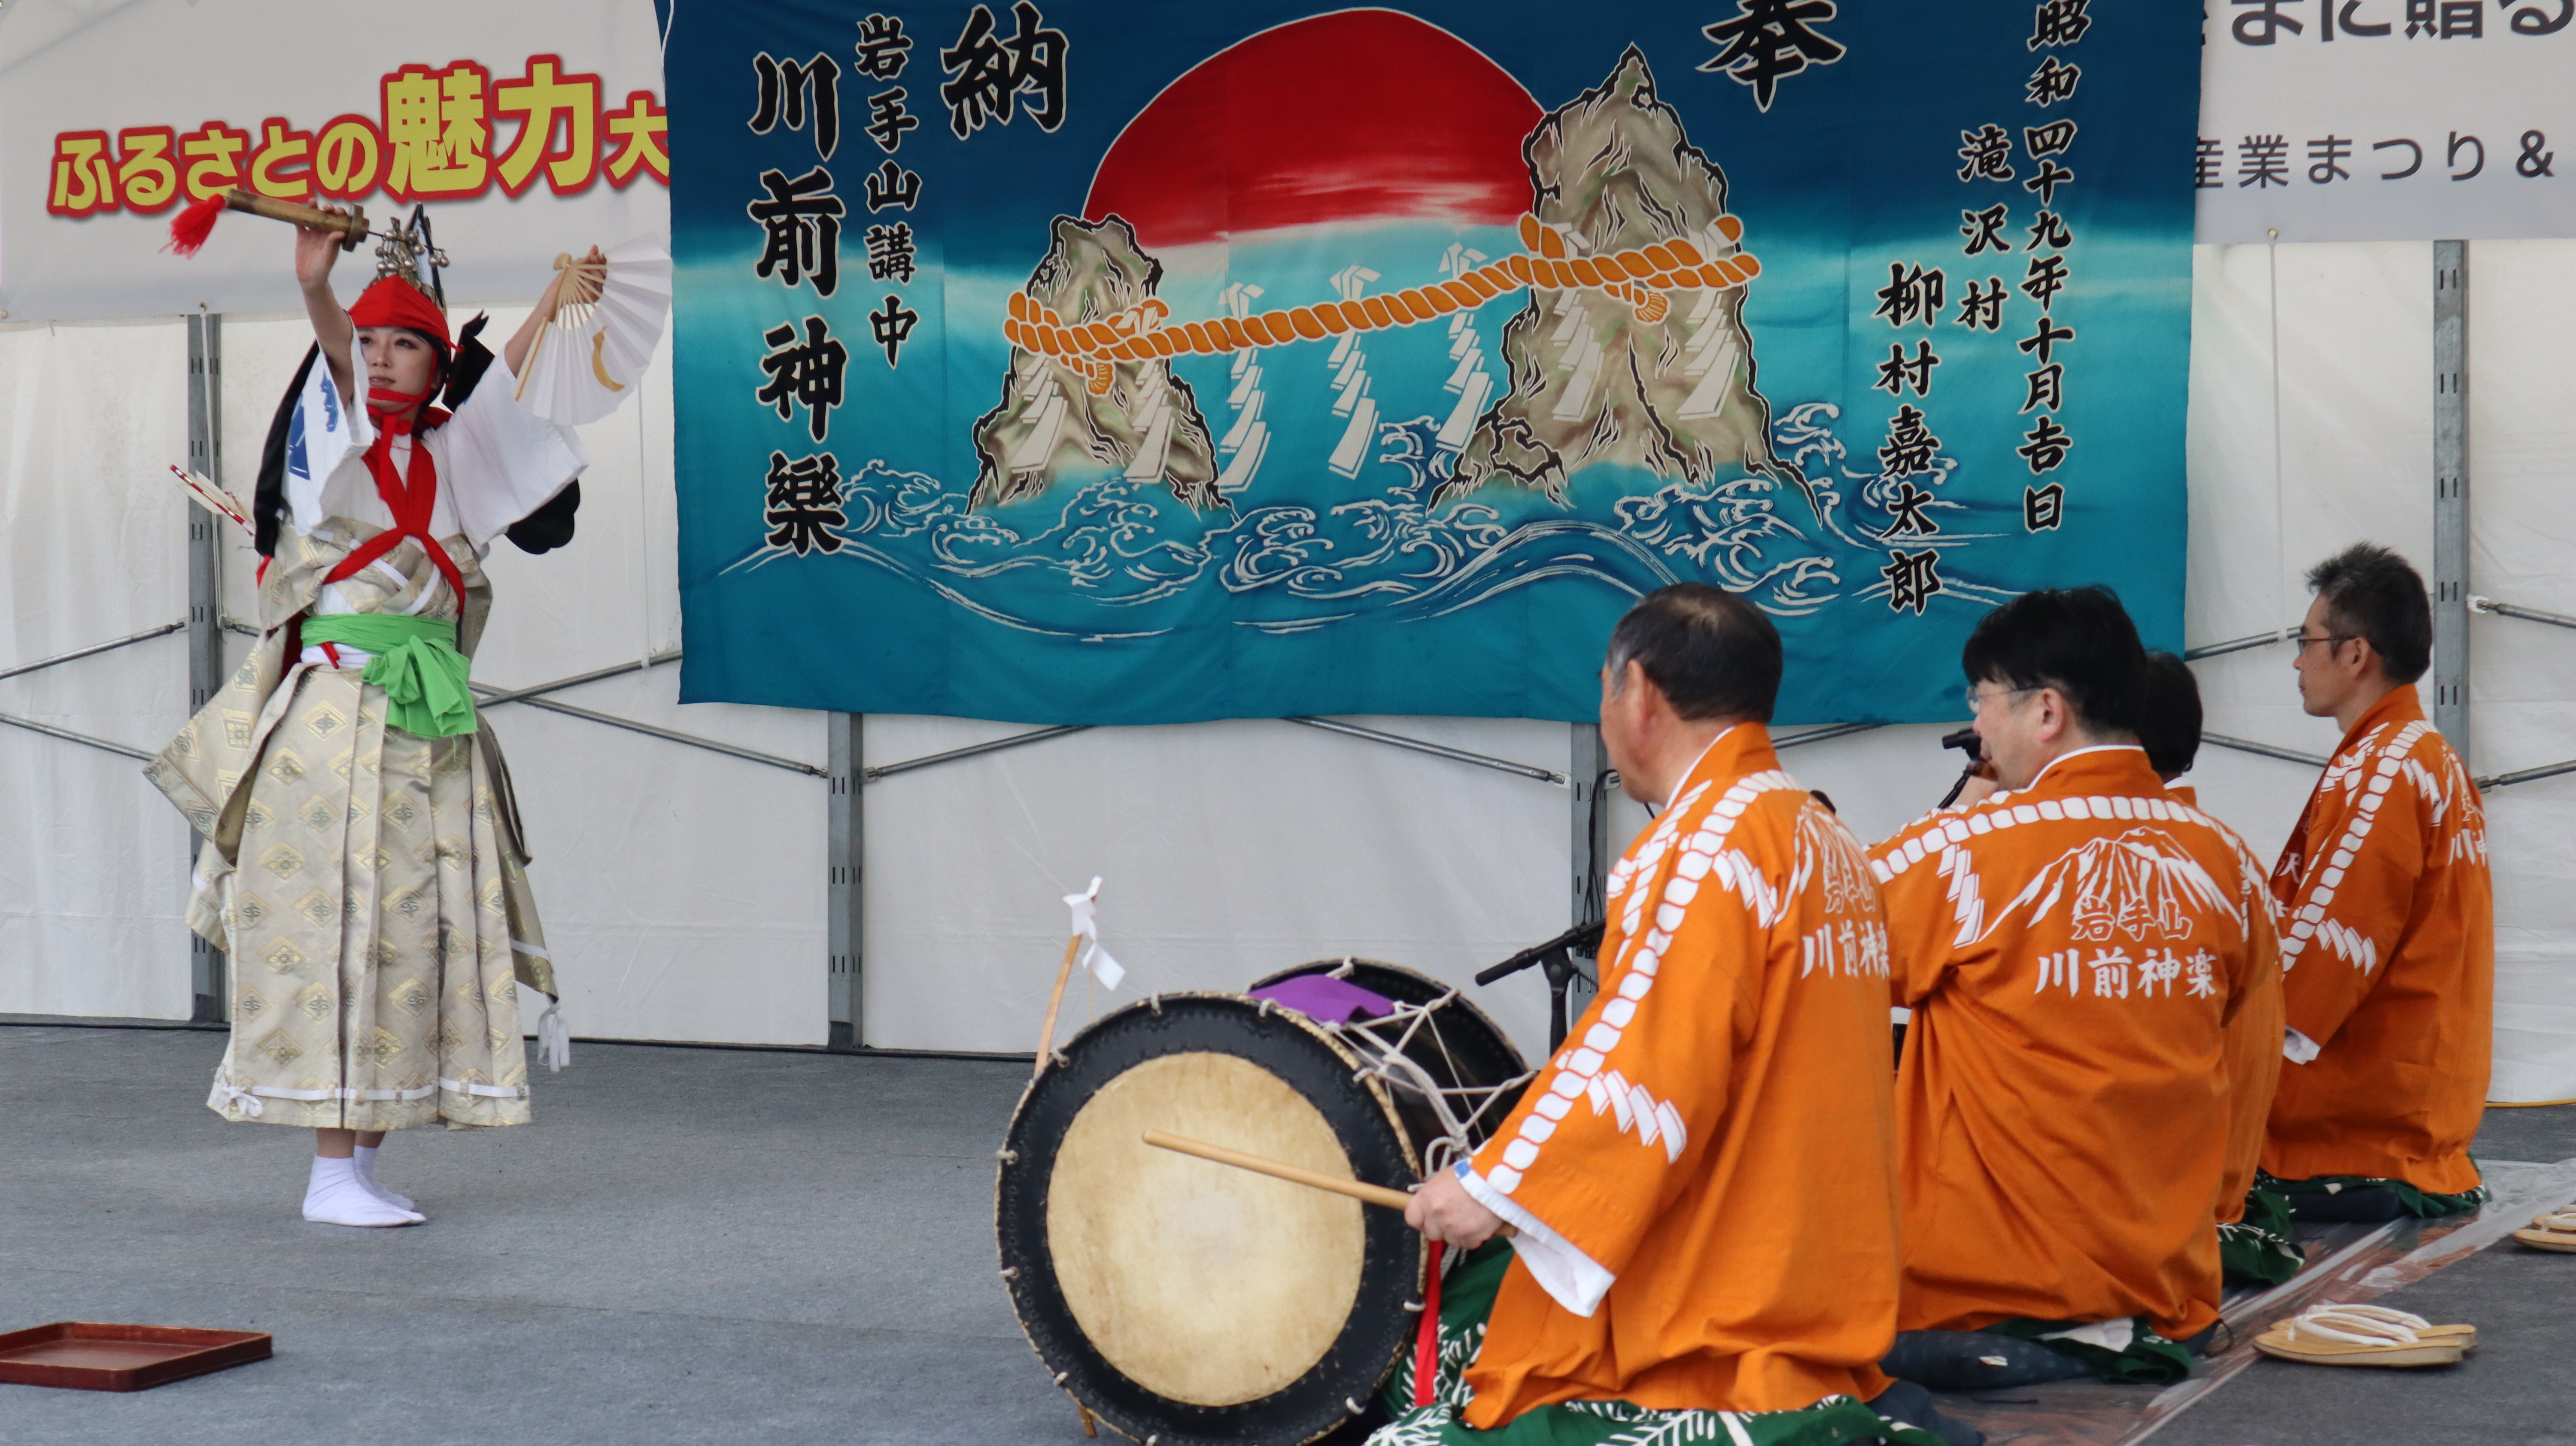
<point>338,1197</point>
<point>366,1162</point>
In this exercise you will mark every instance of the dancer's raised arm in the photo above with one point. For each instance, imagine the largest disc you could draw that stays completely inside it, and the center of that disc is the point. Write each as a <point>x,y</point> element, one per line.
<point>315,251</point>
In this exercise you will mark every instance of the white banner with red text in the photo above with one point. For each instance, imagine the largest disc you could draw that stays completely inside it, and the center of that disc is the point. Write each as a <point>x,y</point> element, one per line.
<point>528,130</point>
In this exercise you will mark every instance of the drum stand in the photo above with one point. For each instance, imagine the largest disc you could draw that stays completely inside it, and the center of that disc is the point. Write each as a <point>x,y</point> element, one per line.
<point>1556,957</point>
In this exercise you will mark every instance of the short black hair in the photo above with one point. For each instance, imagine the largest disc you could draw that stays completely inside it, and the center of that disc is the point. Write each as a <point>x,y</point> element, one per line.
<point>2078,640</point>
<point>2169,714</point>
<point>1713,654</point>
<point>2373,594</point>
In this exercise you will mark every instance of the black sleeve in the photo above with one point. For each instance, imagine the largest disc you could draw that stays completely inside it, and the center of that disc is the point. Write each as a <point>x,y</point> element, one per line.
<point>473,358</point>
<point>550,526</point>
<point>268,498</point>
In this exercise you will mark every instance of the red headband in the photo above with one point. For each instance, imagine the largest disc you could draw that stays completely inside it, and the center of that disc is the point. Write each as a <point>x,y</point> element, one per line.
<point>393,301</point>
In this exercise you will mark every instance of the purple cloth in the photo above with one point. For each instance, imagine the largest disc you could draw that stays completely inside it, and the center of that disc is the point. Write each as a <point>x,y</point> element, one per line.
<point>1326,999</point>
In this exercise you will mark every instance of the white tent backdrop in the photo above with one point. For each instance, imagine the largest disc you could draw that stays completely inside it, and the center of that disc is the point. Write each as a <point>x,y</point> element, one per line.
<point>684,891</point>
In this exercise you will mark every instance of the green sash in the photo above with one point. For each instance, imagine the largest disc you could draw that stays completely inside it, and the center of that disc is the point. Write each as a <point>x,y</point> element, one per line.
<point>415,662</point>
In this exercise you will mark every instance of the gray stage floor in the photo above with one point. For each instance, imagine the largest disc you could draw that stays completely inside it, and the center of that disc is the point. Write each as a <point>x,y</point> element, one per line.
<point>729,1246</point>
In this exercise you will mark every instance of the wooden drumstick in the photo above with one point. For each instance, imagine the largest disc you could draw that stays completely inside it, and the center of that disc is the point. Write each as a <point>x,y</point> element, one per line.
<point>1281,1170</point>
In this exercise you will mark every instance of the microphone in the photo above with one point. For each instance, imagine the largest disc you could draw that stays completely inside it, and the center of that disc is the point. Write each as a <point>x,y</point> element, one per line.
<point>1967,742</point>
<point>1582,939</point>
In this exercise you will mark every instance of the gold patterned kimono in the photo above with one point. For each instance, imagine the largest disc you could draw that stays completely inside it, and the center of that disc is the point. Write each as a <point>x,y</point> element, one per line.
<point>369,885</point>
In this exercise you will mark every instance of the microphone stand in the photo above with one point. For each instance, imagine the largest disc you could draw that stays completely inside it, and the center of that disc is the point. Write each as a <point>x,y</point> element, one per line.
<point>1556,958</point>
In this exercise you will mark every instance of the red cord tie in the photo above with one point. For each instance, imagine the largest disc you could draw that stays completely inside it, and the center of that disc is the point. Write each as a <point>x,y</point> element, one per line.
<point>411,500</point>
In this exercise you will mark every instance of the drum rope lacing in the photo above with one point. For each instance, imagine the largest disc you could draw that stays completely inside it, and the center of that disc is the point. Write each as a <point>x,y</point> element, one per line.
<point>1384,1045</point>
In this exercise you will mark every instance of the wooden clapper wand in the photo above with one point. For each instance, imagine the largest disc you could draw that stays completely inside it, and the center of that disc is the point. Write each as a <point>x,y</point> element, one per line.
<point>1086,931</point>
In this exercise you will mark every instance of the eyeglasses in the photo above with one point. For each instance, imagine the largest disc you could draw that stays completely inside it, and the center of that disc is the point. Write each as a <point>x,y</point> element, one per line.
<point>2332,640</point>
<point>1977,696</point>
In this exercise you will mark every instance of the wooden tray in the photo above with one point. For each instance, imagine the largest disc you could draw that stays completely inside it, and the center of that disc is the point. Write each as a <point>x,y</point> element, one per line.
<point>89,1356</point>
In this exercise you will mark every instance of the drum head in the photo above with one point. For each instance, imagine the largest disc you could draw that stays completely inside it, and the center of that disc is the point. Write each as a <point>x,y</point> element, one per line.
<point>1191,1301</point>
<point>1471,1050</point>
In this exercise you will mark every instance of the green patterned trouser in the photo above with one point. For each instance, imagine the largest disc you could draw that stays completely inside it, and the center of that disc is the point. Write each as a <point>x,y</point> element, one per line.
<point>1467,1300</point>
<point>2258,1250</point>
<point>2148,1360</point>
<point>2423,1204</point>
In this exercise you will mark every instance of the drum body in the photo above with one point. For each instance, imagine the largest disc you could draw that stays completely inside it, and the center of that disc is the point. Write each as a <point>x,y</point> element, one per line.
<point>1183,1301</point>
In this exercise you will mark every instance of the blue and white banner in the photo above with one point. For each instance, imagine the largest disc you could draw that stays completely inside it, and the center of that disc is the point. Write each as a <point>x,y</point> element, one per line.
<point>1063,361</point>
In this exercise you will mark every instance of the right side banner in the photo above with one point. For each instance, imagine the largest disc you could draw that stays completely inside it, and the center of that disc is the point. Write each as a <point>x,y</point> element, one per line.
<point>2387,120</point>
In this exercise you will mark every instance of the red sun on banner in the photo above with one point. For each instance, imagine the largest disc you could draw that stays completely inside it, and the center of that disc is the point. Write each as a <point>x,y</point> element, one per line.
<point>1358,115</point>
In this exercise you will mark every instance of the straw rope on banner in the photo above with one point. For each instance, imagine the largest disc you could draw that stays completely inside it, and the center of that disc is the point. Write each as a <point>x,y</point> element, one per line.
<point>1143,332</point>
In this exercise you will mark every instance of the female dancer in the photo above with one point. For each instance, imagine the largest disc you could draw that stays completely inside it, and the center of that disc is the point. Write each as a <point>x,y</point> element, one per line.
<point>363,864</point>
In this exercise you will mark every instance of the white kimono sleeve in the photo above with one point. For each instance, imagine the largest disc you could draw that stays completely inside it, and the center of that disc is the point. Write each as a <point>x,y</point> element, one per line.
<point>1571,1278</point>
<point>504,461</point>
<point>326,444</point>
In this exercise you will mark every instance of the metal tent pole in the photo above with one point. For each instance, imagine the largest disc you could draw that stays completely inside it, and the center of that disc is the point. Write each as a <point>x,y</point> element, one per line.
<point>68,736</point>
<point>1587,772</point>
<point>1584,772</point>
<point>1819,735</point>
<point>845,901</point>
<point>2477,604</point>
<point>2266,750</point>
<point>92,651</point>
<point>1436,750</point>
<point>205,603</point>
<point>2451,494</point>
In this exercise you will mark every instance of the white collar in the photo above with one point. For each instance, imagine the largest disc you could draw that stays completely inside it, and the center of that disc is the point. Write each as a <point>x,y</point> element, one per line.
<point>1695,763</point>
<point>2078,753</point>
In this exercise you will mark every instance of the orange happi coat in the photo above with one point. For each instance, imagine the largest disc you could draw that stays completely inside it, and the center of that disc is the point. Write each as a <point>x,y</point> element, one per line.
<point>2072,952</point>
<point>2252,1055</point>
<point>2390,959</point>
<point>1704,1175</point>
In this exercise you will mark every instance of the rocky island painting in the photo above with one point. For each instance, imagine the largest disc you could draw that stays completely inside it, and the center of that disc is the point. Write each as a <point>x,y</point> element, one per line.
<point>1376,359</point>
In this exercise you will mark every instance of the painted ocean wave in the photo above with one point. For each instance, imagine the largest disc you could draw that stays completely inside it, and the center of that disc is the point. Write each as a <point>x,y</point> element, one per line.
<point>1108,556</point>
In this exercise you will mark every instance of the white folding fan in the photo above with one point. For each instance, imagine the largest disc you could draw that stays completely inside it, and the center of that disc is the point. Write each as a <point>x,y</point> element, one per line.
<point>591,354</point>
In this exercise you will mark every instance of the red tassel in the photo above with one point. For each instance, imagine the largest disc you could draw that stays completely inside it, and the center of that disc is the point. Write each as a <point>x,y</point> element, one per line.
<point>190,228</point>
<point>1426,1341</point>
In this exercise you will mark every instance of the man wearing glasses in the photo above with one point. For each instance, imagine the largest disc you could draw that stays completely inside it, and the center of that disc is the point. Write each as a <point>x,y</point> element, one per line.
<point>2072,947</point>
<point>2388,936</point>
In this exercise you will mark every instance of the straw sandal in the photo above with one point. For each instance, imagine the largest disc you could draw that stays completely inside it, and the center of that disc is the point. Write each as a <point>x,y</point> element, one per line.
<point>2464,1336</point>
<point>2344,1335</point>
<point>2553,1231</point>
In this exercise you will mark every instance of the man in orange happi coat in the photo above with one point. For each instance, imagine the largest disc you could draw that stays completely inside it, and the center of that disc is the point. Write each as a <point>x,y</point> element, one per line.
<point>2254,1242</point>
<point>2072,948</point>
<point>2390,912</point>
<point>1702,1179</point>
